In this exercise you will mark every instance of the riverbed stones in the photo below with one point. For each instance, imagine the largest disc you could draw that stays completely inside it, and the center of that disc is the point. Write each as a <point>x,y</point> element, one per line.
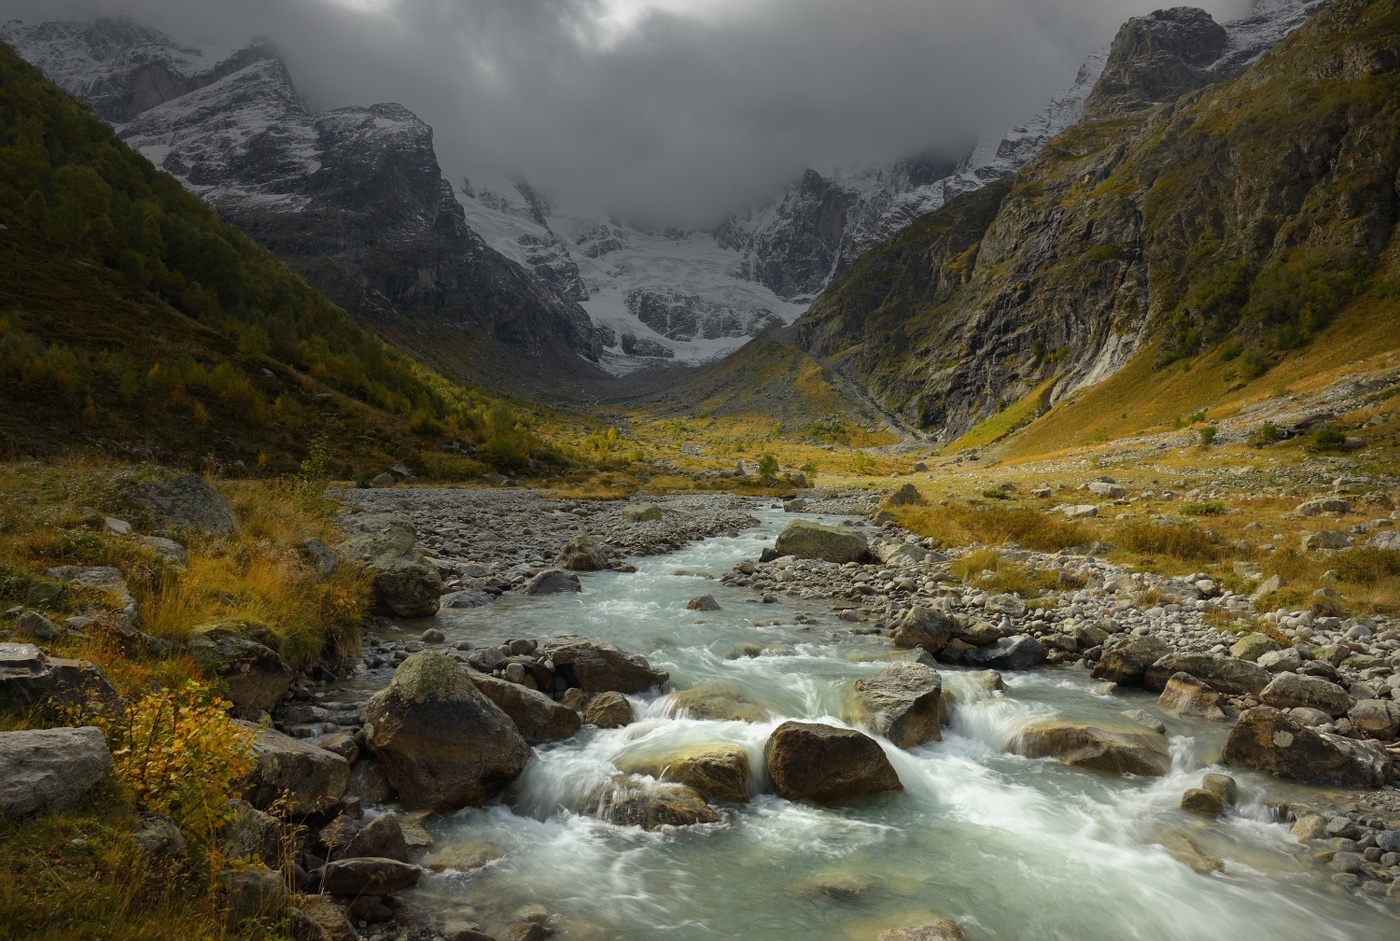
<point>924,628</point>
<point>255,674</point>
<point>630,802</point>
<point>719,771</point>
<point>940,929</point>
<point>1376,718</point>
<point>297,777</point>
<point>702,603</point>
<point>186,502</point>
<point>826,764</point>
<point>1080,745</point>
<point>596,666</point>
<point>1290,691</point>
<point>1018,652</point>
<point>48,770</point>
<point>1252,646</point>
<point>442,744</point>
<point>381,837</point>
<point>583,553</point>
<point>1190,698</point>
<point>553,582</point>
<point>807,540</point>
<point>366,876</point>
<point>539,718</point>
<point>1267,740</point>
<point>608,710</point>
<point>405,583</point>
<point>718,701</point>
<point>1127,660</point>
<point>901,702</point>
<point>1228,675</point>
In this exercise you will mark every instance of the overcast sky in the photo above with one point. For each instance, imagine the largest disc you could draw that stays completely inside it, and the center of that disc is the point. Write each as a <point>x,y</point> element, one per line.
<point>666,111</point>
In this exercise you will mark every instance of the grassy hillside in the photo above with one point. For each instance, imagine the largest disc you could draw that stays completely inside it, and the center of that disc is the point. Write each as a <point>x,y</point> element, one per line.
<point>132,318</point>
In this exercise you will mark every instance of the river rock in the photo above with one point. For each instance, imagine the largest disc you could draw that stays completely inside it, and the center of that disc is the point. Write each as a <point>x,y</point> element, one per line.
<point>186,502</point>
<point>719,771</point>
<point>924,628</point>
<point>633,803</point>
<point>255,674</point>
<point>807,540</point>
<point>382,837</point>
<point>583,553</point>
<point>440,741</point>
<point>938,930</point>
<point>1125,662</point>
<point>901,703</point>
<point>296,777</point>
<point>29,677</point>
<point>595,666</point>
<point>366,876</point>
<point>1267,740</point>
<point>608,710</point>
<point>406,584</point>
<point>48,770</point>
<point>464,857</point>
<point>1200,801</point>
<point>252,835</point>
<point>702,603</point>
<point>1228,675</point>
<point>553,582</point>
<point>646,513</point>
<point>1190,698</point>
<point>907,495</point>
<point>318,917</point>
<point>1222,786</point>
<point>1281,661</point>
<point>1289,691</point>
<point>1079,745</point>
<point>717,701</point>
<point>822,763</point>
<point>1252,646</point>
<point>1376,718</point>
<point>539,718</point>
<point>1020,652</point>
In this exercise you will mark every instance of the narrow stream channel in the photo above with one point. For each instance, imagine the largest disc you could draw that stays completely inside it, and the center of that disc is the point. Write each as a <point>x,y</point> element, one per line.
<point>1012,848</point>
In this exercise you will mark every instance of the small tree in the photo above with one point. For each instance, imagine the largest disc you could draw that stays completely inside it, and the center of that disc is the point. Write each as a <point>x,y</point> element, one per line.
<point>767,466</point>
<point>1207,435</point>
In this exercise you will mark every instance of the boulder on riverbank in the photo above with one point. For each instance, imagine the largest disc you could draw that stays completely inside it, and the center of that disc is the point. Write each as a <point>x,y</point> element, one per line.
<point>539,718</point>
<point>406,584</point>
<point>924,628</point>
<point>583,554</point>
<point>825,764</point>
<point>902,703</point>
<point>1289,691</point>
<point>48,770</point>
<point>807,540</point>
<point>1227,675</point>
<point>256,674</point>
<point>1127,659</point>
<point>1116,751</point>
<point>440,741</point>
<point>596,666</point>
<point>298,777</point>
<point>1267,740</point>
<point>1019,652</point>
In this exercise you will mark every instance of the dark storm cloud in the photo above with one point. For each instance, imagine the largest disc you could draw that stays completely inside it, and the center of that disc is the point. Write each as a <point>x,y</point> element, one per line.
<point>684,115</point>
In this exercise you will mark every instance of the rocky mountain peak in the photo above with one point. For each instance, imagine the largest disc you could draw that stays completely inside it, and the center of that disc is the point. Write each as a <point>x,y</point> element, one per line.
<point>1157,58</point>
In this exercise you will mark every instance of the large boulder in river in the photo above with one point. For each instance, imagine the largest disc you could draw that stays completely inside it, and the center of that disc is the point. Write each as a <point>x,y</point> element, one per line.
<point>47,770</point>
<point>440,741</point>
<point>1117,751</point>
<point>553,582</point>
<point>822,763</point>
<point>595,666</point>
<point>1126,660</point>
<point>925,628</point>
<point>718,701</point>
<point>609,710</point>
<point>539,718</point>
<point>405,583</point>
<point>1190,698</point>
<point>1020,652</point>
<point>719,771</point>
<point>1267,740</point>
<point>256,675</point>
<point>583,554</point>
<point>297,777</point>
<point>1227,675</point>
<point>186,502</point>
<point>807,540</point>
<point>633,803</point>
<point>901,702</point>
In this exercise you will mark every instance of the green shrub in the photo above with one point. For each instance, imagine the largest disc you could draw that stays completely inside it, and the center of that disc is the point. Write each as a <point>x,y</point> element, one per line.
<point>1207,436</point>
<point>1327,438</point>
<point>1211,508</point>
<point>1265,435</point>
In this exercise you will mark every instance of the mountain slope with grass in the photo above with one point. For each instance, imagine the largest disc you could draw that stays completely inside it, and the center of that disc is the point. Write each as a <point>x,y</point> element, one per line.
<point>134,319</point>
<point>1236,223</point>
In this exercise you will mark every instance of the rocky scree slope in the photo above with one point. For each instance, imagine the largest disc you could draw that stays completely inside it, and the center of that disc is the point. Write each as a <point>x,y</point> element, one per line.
<point>353,199</point>
<point>1247,212</point>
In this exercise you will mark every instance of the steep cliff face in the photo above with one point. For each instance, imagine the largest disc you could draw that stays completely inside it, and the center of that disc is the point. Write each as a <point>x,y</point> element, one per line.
<point>1247,212</point>
<point>353,199</point>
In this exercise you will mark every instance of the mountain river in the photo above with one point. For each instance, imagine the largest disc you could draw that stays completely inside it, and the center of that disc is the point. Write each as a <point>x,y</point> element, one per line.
<point>1010,847</point>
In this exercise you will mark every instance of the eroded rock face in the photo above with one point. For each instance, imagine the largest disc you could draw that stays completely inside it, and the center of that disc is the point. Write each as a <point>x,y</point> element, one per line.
<point>596,666</point>
<point>1267,740</point>
<point>901,703</point>
<point>1117,751</point>
<point>1157,58</point>
<point>439,740</point>
<point>808,540</point>
<point>47,770</point>
<point>821,763</point>
<point>405,583</point>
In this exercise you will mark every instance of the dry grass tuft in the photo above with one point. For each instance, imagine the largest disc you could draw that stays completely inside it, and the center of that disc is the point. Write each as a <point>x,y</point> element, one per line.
<point>960,525</point>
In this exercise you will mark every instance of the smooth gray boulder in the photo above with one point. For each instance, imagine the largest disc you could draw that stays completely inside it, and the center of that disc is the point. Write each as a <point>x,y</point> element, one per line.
<point>442,744</point>
<point>47,770</point>
<point>1289,691</point>
<point>901,703</point>
<point>406,584</point>
<point>807,540</point>
<point>186,502</point>
<point>924,628</point>
<point>1126,660</point>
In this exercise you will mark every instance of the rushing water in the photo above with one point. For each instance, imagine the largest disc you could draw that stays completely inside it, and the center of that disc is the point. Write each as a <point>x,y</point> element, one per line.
<point>1010,847</point>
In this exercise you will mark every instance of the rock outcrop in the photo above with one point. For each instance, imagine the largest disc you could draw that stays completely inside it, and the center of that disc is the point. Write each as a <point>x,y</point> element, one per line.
<point>1267,740</point>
